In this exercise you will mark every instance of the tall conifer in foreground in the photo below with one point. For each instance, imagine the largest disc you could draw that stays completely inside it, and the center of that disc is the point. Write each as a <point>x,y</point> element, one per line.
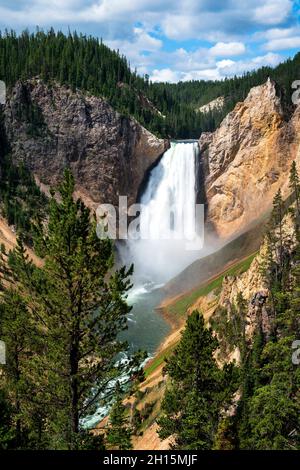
<point>119,432</point>
<point>295,185</point>
<point>79,307</point>
<point>196,393</point>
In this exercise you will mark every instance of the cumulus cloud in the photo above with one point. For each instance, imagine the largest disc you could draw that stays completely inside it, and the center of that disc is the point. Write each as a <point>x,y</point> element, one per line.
<point>231,20</point>
<point>222,49</point>
<point>140,50</point>
<point>273,12</point>
<point>165,75</point>
<point>283,44</point>
<point>178,18</point>
<point>277,39</point>
<point>153,33</point>
<point>277,33</point>
<point>230,68</point>
<point>218,71</point>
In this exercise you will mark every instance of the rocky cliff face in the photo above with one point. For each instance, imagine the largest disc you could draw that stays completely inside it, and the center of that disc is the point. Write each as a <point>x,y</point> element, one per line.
<point>251,284</point>
<point>51,127</point>
<point>247,159</point>
<point>217,103</point>
<point>255,292</point>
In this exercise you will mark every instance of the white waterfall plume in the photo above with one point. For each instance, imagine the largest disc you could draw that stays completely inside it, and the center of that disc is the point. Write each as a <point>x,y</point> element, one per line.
<point>168,220</point>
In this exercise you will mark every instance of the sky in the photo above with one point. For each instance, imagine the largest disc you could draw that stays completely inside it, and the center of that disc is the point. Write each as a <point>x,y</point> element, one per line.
<point>173,40</point>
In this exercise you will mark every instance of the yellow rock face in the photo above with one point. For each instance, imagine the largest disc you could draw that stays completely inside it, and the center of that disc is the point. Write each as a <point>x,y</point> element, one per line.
<point>248,158</point>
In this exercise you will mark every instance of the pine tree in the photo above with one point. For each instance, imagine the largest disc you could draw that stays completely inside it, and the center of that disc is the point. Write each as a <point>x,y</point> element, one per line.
<point>276,265</point>
<point>277,218</point>
<point>192,401</point>
<point>295,185</point>
<point>19,332</point>
<point>6,428</point>
<point>119,432</point>
<point>79,306</point>
<point>225,438</point>
<point>273,409</point>
<point>241,324</point>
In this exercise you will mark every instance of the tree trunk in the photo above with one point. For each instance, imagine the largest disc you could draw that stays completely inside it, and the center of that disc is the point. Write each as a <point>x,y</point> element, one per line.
<point>74,392</point>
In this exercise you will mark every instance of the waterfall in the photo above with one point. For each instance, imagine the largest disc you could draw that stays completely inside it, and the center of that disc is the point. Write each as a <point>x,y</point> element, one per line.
<point>168,219</point>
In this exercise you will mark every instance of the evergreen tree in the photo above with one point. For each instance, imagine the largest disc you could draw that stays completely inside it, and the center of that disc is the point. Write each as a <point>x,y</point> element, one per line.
<point>20,335</point>
<point>79,306</point>
<point>295,185</point>
<point>267,413</point>
<point>276,266</point>
<point>273,421</point>
<point>119,432</point>
<point>225,438</point>
<point>6,429</point>
<point>192,402</point>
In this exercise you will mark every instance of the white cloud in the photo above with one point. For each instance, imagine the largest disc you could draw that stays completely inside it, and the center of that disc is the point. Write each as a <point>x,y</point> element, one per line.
<point>177,26</point>
<point>179,19</point>
<point>46,12</point>
<point>278,39</point>
<point>230,68</point>
<point>232,19</point>
<point>276,33</point>
<point>174,76</point>
<point>273,12</point>
<point>165,75</point>
<point>222,49</point>
<point>140,50</point>
<point>225,63</point>
<point>221,69</point>
<point>145,41</point>
<point>205,74</point>
<point>283,43</point>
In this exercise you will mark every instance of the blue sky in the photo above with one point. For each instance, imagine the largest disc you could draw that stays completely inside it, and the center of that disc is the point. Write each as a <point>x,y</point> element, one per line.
<point>174,40</point>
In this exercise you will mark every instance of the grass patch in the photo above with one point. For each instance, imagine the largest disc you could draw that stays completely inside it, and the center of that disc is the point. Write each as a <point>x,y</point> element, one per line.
<point>159,359</point>
<point>180,306</point>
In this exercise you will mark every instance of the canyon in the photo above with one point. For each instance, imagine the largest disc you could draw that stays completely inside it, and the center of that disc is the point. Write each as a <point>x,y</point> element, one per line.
<point>242,166</point>
<point>243,163</point>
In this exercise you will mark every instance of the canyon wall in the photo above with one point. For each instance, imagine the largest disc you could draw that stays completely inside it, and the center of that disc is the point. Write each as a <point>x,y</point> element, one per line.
<point>51,127</point>
<point>251,284</point>
<point>248,158</point>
